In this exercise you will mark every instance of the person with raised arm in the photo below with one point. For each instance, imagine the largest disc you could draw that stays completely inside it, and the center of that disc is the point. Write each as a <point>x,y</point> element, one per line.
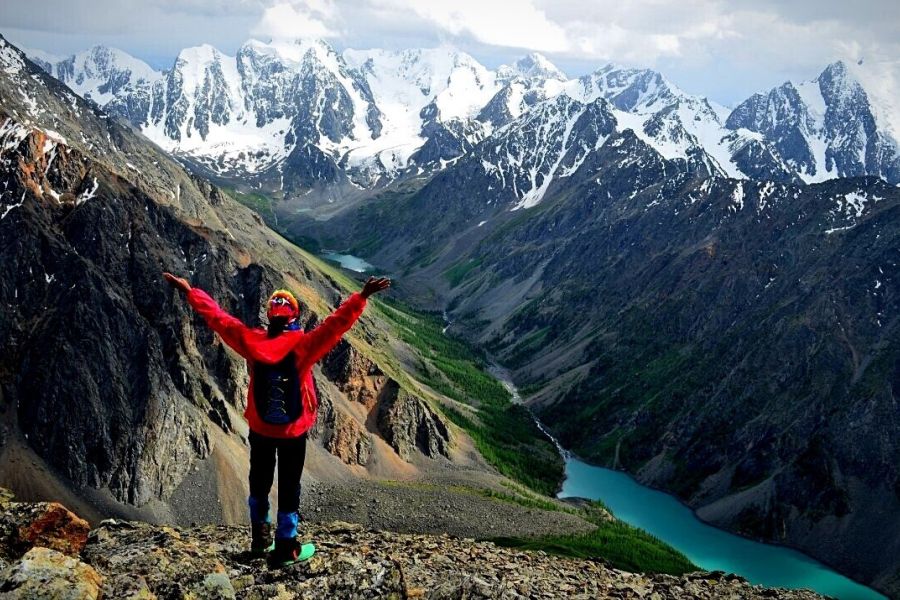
<point>281,401</point>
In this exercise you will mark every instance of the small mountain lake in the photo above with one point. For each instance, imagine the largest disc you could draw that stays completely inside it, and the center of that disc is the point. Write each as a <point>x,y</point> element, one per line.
<point>706,546</point>
<point>348,261</point>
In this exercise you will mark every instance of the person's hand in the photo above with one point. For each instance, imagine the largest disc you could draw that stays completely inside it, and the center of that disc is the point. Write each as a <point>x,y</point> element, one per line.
<point>179,283</point>
<point>374,285</point>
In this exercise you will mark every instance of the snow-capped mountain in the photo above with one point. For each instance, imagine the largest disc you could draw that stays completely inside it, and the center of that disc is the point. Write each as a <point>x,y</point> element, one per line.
<point>100,73</point>
<point>677,124</point>
<point>549,142</point>
<point>291,117</point>
<point>300,110</point>
<point>268,106</point>
<point>428,99</point>
<point>825,128</point>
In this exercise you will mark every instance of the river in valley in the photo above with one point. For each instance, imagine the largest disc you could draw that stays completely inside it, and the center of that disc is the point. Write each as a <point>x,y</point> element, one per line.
<point>710,548</point>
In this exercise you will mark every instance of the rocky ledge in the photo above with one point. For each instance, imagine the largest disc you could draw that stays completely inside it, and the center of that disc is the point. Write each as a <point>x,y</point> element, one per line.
<point>48,552</point>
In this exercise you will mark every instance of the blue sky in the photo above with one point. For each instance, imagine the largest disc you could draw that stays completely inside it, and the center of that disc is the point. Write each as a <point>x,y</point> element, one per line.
<point>725,50</point>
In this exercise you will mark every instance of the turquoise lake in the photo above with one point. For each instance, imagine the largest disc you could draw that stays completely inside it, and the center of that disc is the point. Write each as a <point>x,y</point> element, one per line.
<point>709,548</point>
<point>348,261</point>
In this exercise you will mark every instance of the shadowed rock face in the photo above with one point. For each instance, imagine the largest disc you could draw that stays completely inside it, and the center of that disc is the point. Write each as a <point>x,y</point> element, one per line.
<point>90,330</point>
<point>408,424</point>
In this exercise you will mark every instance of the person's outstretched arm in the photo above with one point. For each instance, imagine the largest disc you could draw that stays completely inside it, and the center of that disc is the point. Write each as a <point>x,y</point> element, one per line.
<point>229,328</point>
<point>318,342</point>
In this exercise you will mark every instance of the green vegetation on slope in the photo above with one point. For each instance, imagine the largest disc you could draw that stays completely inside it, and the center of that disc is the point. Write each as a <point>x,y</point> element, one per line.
<point>504,433</point>
<point>623,546</point>
<point>458,272</point>
<point>258,203</point>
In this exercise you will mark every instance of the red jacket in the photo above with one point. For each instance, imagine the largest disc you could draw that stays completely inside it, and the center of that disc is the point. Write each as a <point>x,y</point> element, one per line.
<point>256,346</point>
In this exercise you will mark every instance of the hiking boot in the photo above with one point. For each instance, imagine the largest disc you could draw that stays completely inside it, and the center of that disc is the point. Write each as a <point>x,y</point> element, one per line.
<point>261,539</point>
<point>289,551</point>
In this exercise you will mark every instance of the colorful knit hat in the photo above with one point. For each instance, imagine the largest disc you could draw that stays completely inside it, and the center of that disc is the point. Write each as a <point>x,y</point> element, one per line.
<point>286,295</point>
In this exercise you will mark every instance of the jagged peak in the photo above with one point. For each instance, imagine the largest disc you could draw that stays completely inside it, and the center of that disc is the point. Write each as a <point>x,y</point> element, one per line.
<point>630,88</point>
<point>880,79</point>
<point>293,51</point>
<point>202,54</point>
<point>99,59</point>
<point>615,75</point>
<point>837,68</point>
<point>532,66</point>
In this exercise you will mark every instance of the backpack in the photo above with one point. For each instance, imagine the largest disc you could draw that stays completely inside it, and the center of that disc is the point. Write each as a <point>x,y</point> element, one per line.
<point>276,391</point>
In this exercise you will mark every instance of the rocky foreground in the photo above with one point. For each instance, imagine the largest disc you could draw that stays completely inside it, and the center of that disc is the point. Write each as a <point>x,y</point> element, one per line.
<point>48,552</point>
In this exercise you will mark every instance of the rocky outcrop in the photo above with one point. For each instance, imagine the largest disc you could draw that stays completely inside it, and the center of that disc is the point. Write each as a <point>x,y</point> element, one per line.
<point>408,424</point>
<point>40,545</point>
<point>349,441</point>
<point>356,376</point>
<point>340,433</point>
<point>136,560</point>
<point>45,524</point>
<point>405,421</point>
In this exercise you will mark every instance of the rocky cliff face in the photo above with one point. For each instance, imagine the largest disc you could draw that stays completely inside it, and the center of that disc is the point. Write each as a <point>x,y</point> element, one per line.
<point>410,426</point>
<point>403,420</point>
<point>130,559</point>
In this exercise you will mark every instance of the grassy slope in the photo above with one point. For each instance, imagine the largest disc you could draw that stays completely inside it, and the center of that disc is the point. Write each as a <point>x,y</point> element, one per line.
<point>504,433</point>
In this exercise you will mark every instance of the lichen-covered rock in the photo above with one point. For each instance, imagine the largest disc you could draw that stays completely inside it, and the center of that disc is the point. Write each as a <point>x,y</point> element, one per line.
<point>47,524</point>
<point>407,423</point>
<point>355,563</point>
<point>45,574</point>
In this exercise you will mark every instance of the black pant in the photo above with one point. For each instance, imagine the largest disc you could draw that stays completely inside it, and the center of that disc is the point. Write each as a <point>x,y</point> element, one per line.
<point>291,456</point>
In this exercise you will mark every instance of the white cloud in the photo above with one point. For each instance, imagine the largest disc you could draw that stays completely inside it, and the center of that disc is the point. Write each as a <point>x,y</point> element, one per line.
<point>724,48</point>
<point>293,20</point>
<point>510,23</point>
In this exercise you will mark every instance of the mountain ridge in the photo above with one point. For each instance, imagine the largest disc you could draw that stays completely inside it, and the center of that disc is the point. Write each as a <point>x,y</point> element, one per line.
<point>416,121</point>
<point>630,301</point>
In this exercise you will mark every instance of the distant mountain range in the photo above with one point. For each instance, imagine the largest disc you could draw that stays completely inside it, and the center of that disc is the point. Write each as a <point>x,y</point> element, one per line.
<point>291,117</point>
